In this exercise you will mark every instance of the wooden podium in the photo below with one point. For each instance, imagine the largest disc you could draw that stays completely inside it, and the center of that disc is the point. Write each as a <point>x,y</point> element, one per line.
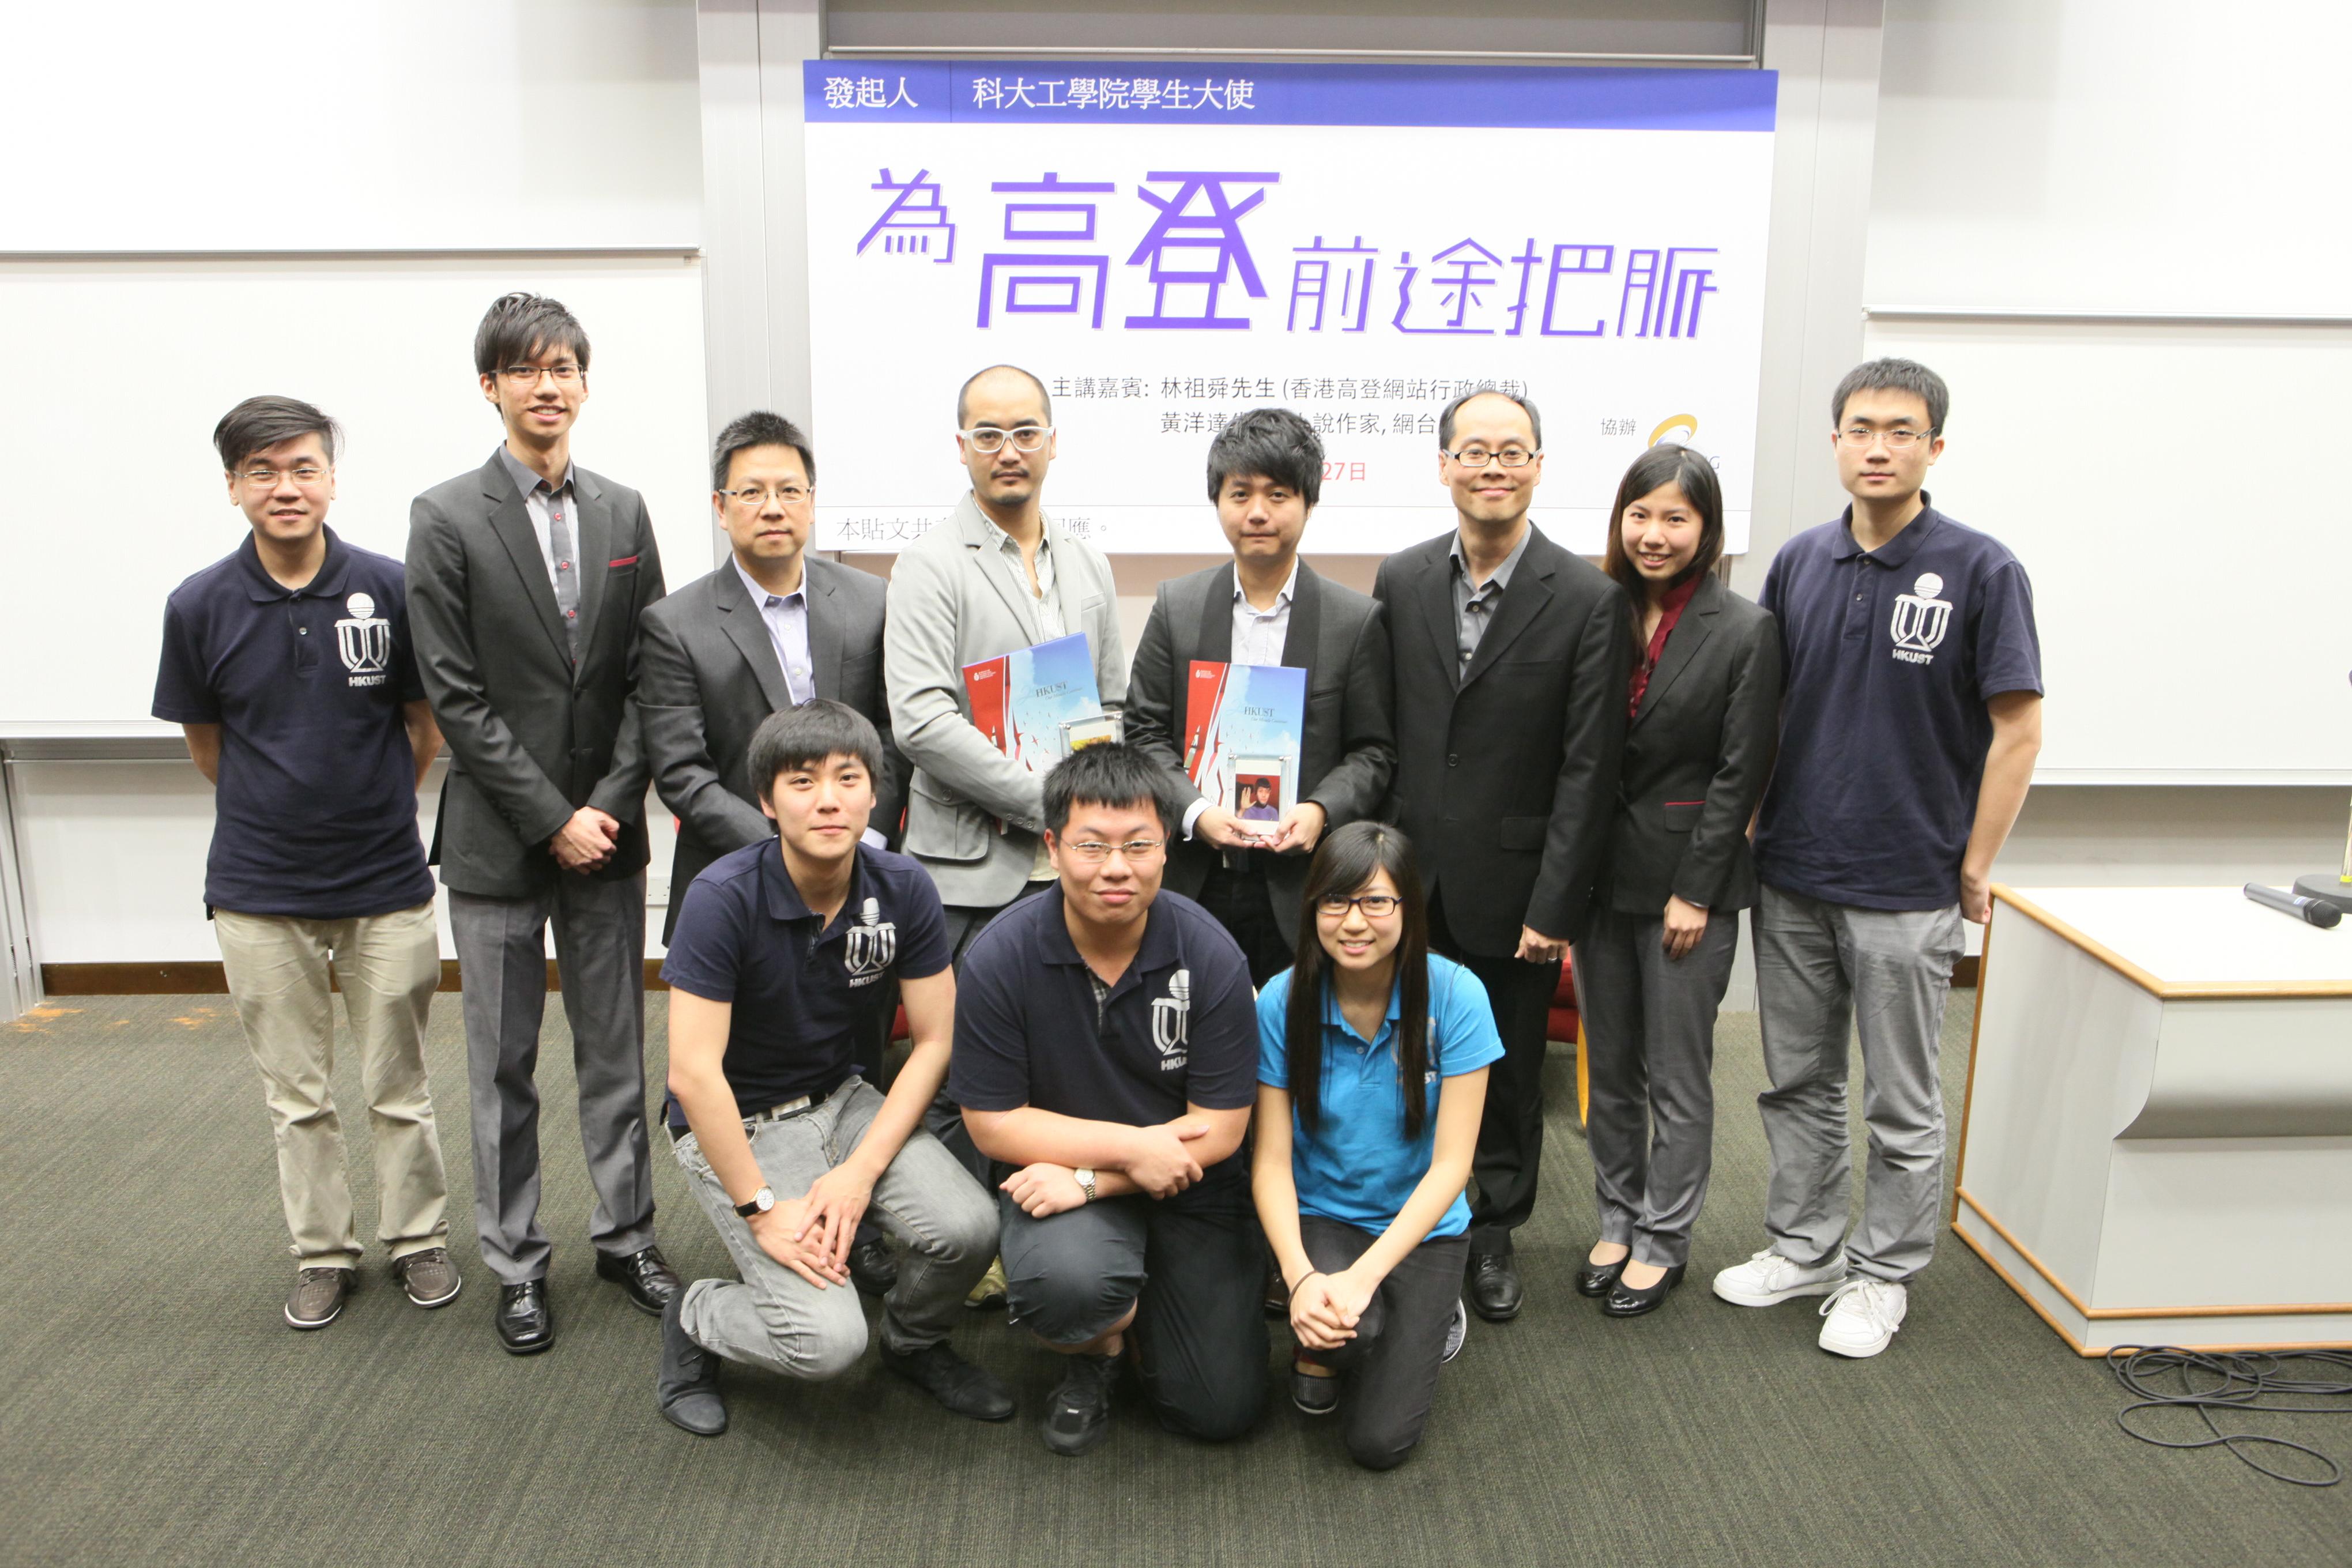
<point>2156,1145</point>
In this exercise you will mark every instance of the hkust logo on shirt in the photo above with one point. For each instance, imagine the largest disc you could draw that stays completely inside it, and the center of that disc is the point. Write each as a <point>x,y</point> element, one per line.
<point>364,639</point>
<point>1921,619</point>
<point>869,947</point>
<point>1171,1021</point>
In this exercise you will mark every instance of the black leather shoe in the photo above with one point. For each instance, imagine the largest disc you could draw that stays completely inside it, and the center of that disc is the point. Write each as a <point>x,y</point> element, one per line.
<point>1313,1394</point>
<point>647,1276</point>
<point>873,1267</point>
<point>686,1390</point>
<point>524,1318</point>
<point>1496,1293</point>
<point>1077,1416</point>
<point>1595,1278</point>
<point>954,1381</point>
<point>1625,1301</point>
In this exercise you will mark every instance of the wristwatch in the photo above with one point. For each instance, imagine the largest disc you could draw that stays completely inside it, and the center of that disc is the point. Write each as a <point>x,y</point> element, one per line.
<point>1086,1175</point>
<point>761,1202</point>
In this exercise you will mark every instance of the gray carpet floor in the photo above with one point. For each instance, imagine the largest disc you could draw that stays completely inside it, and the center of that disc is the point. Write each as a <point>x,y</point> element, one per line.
<point>154,1408</point>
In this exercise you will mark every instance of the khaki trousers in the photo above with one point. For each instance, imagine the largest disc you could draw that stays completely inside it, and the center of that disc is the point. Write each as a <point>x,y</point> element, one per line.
<point>389,966</point>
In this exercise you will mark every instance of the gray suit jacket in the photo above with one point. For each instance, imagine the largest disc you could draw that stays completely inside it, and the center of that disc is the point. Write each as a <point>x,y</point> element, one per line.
<point>531,738</point>
<point>955,599</point>
<point>711,678</point>
<point>1348,751</point>
<point>1696,757</point>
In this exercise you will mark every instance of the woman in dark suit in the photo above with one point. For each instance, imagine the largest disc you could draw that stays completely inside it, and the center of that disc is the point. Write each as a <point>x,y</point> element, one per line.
<point>1705,701</point>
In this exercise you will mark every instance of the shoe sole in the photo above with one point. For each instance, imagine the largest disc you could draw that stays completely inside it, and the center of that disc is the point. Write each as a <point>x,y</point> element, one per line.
<point>546,1344</point>
<point>1305,1409</point>
<point>417,1300</point>
<point>1092,1442</point>
<point>1498,1317</point>
<point>1775,1298</point>
<point>294,1322</point>
<point>691,1431</point>
<point>1856,1354</point>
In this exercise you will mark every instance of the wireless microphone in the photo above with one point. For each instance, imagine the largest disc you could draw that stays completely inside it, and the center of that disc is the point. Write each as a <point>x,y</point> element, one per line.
<point>2316,910</point>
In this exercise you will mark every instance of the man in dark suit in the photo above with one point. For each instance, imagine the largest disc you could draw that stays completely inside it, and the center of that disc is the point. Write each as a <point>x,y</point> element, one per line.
<point>1510,659</point>
<point>1265,606</point>
<point>526,579</point>
<point>770,630</point>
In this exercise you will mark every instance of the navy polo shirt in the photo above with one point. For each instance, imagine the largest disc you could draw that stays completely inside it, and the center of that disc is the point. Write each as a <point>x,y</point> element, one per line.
<point>315,814</point>
<point>806,992</point>
<point>1179,1029</point>
<point>1890,655</point>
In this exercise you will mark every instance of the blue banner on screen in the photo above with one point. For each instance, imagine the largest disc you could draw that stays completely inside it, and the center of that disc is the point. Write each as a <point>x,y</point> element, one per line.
<point>1167,247</point>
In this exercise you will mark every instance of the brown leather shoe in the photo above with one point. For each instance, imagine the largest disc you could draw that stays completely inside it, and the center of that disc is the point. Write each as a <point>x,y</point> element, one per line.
<point>428,1276</point>
<point>317,1299</point>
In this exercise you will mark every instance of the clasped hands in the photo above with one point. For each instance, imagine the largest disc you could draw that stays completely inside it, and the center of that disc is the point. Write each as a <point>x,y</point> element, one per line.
<point>1296,834</point>
<point>810,1234</point>
<point>1159,1162</point>
<point>1325,1308</point>
<point>586,841</point>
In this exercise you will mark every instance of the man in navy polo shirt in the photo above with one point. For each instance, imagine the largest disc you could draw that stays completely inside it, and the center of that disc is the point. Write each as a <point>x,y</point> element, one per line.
<point>1106,1054</point>
<point>781,954</point>
<point>1911,720</point>
<point>289,666</point>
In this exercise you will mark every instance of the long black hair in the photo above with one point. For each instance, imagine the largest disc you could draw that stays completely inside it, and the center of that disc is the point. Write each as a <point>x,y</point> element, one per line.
<point>1687,471</point>
<point>1344,865</point>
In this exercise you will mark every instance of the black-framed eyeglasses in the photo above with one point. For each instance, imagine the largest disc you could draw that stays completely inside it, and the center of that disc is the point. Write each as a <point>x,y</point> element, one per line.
<point>1479,457</point>
<point>1376,906</point>
<point>985,438</point>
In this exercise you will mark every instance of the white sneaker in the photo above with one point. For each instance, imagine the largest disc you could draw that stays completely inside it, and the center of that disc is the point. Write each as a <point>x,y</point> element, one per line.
<point>1863,1315</point>
<point>1768,1279</point>
<point>1457,1329</point>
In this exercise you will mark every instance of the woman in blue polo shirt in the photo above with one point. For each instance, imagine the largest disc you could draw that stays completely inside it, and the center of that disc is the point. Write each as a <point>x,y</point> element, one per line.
<point>1359,1185</point>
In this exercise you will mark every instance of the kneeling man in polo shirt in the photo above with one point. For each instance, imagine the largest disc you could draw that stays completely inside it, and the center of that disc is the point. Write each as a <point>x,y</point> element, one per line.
<point>1105,1056</point>
<point>782,951</point>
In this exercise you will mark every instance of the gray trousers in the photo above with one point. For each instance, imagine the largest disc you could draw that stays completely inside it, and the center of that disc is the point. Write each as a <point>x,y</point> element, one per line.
<point>775,1319</point>
<point>1649,1030</point>
<point>1392,1363</point>
<point>1822,968</point>
<point>599,950</point>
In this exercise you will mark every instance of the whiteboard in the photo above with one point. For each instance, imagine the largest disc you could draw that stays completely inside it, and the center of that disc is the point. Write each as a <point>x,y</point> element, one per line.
<point>2191,554</point>
<point>117,370</point>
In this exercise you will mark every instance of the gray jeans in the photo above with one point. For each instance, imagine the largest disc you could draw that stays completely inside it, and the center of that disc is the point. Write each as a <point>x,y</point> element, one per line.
<point>775,1319</point>
<point>1821,969</point>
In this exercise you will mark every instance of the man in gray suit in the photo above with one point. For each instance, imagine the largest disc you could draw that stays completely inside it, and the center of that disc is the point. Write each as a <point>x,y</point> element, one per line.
<point>526,579</point>
<point>1267,606</point>
<point>997,576</point>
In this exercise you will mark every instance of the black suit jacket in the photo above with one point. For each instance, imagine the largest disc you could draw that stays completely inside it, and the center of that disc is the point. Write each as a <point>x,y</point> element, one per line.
<point>1696,757</point>
<point>1349,750</point>
<point>1506,775</point>
<point>531,737</point>
<point>710,676</point>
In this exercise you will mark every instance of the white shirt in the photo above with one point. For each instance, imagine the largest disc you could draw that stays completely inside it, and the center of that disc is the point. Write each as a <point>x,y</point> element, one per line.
<point>1049,603</point>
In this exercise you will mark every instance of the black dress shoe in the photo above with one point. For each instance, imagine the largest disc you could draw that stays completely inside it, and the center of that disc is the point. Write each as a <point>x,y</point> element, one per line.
<point>647,1276</point>
<point>1595,1278</point>
<point>873,1267</point>
<point>686,1390</point>
<point>954,1381</point>
<point>1625,1301</point>
<point>1496,1293</point>
<point>525,1321</point>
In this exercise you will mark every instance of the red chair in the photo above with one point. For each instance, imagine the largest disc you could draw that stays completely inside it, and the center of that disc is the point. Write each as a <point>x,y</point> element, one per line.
<point>1567,1024</point>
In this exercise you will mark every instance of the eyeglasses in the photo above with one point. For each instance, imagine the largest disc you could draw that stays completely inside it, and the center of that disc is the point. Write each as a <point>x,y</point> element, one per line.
<point>266,479</point>
<point>1376,906</point>
<point>1509,456</point>
<point>529,374</point>
<point>1092,852</point>
<point>757,495</point>
<point>1896,440</point>
<point>1024,437</point>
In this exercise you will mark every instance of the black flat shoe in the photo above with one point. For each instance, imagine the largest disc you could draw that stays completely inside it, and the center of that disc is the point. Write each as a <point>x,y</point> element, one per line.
<point>1626,1302</point>
<point>525,1322</point>
<point>647,1276</point>
<point>1595,1278</point>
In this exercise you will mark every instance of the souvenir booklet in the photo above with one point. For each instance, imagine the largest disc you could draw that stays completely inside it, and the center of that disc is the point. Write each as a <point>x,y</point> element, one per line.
<point>1242,724</point>
<point>1038,704</point>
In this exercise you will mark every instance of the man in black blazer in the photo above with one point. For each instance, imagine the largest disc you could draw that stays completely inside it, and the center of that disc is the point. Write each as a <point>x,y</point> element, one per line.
<point>526,581</point>
<point>772,627</point>
<point>1510,659</point>
<point>1265,606</point>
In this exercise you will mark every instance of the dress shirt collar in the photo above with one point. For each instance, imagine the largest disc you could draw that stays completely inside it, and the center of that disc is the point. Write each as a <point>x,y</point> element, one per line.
<point>1281,601</point>
<point>525,481</point>
<point>760,595</point>
<point>1501,579</point>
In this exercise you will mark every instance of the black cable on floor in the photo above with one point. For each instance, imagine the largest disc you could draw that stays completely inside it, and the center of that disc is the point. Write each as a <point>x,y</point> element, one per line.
<point>2249,1383</point>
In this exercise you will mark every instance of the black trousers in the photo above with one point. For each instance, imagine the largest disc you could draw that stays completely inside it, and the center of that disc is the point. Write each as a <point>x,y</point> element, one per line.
<point>1392,1363</point>
<point>1242,905</point>
<point>1509,1156</point>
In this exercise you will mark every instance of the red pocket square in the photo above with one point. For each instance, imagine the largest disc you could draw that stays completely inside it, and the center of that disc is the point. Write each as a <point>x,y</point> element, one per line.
<point>624,561</point>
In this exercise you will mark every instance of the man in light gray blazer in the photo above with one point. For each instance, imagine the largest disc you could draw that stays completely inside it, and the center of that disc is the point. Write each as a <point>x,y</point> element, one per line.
<point>526,581</point>
<point>772,627</point>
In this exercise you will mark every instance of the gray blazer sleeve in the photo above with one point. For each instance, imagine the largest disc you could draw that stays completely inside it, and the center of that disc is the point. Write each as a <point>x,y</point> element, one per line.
<point>1357,783</point>
<point>924,677</point>
<point>670,708</point>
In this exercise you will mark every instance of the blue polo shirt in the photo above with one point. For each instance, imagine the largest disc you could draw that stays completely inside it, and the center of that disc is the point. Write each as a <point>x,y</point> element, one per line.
<point>1357,1167</point>
<point>1176,1031</point>
<point>315,814</point>
<point>806,992</point>
<point>1890,655</point>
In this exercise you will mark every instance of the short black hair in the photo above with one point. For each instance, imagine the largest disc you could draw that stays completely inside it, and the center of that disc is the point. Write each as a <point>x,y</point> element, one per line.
<point>261,423</point>
<point>1268,443</point>
<point>1108,772</point>
<point>1894,375</point>
<point>1044,398</point>
<point>1526,403</point>
<point>807,737</point>
<point>758,429</point>
<point>519,325</point>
